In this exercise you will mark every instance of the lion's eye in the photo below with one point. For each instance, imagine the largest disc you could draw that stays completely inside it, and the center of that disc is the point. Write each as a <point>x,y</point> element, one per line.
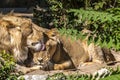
<point>35,43</point>
<point>53,35</point>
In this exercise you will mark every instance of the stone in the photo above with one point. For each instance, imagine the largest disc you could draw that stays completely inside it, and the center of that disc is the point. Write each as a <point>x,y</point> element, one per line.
<point>34,77</point>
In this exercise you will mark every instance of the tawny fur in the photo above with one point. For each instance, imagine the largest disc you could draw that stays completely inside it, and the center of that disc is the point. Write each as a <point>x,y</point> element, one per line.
<point>63,53</point>
<point>14,38</point>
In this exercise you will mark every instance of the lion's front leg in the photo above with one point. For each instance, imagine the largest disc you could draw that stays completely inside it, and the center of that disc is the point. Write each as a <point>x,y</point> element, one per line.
<point>25,70</point>
<point>62,66</point>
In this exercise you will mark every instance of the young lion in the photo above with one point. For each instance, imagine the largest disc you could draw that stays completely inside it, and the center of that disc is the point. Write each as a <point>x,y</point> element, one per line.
<point>63,53</point>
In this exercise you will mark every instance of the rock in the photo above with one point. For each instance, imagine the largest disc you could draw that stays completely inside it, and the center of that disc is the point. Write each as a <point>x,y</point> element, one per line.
<point>34,77</point>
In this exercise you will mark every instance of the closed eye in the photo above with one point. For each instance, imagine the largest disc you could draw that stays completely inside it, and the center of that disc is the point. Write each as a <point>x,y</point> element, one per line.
<point>33,44</point>
<point>53,35</point>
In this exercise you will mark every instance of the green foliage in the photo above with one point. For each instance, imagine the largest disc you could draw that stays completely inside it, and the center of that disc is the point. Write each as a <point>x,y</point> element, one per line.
<point>113,75</point>
<point>99,16</point>
<point>104,26</point>
<point>61,76</point>
<point>7,68</point>
<point>53,15</point>
<point>6,56</point>
<point>72,33</point>
<point>115,11</point>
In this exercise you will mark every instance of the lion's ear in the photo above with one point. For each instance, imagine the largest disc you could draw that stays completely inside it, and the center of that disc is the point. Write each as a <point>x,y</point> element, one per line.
<point>52,32</point>
<point>6,24</point>
<point>26,28</point>
<point>45,36</point>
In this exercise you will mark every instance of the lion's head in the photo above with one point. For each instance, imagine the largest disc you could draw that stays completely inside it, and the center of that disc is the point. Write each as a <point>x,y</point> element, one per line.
<point>36,40</point>
<point>52,47</point>
<point>18,36</point>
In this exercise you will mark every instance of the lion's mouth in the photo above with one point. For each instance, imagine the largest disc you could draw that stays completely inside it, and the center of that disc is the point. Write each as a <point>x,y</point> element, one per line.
<point>42,47</point>
<point>39,47</point>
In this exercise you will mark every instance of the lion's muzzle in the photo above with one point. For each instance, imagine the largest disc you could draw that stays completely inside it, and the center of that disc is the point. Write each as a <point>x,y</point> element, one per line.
<point>36,46</point>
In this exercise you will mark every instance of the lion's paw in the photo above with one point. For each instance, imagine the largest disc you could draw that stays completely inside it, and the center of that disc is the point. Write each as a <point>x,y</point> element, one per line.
<point>48,66</point>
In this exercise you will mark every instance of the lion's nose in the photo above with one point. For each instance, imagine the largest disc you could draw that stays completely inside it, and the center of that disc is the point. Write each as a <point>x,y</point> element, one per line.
<point>40,60</point>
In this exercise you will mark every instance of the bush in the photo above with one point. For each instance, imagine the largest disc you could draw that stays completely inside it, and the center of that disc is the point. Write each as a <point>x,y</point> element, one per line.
<point>104,26</point>
<point>7,68</point>
<point>51,15</point>
<point>101,17</point>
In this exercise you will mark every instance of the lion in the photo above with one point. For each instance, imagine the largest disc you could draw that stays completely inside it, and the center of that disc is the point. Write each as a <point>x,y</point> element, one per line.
<point>15,34</point>
<point>62,53</point>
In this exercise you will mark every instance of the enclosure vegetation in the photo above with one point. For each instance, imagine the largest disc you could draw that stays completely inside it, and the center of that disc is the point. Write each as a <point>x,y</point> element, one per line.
<point>101,17</point>
<point>114,75</point>
<point>7,67</point>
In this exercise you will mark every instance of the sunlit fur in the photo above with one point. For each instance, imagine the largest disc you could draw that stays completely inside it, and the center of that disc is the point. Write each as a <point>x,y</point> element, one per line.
<point>64,53</point>
<point>14,35</point>
<point>18,37</point>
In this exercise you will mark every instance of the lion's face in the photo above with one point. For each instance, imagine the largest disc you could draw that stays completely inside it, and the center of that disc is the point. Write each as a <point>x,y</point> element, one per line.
<point>34,37</point>
<point>18,35</point>
<point>35,41</point>
<point>52,45</point>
